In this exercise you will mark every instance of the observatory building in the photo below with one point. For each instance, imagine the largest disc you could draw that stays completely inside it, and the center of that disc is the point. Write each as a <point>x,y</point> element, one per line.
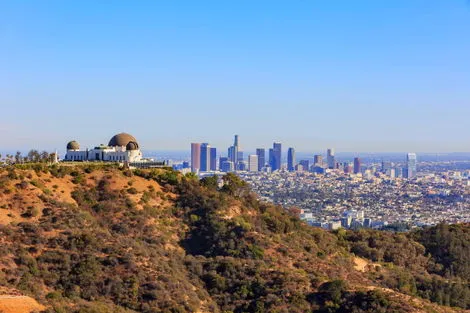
<point>121,148</point>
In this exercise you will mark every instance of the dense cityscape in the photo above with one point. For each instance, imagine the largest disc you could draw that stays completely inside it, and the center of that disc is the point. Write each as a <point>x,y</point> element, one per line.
<point>332,193</point>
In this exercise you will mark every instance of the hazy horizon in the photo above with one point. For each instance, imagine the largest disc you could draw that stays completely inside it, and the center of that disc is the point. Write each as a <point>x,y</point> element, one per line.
<point>356,76</point>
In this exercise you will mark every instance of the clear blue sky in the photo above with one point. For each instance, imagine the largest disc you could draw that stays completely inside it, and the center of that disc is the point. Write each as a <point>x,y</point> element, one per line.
<point>378,75</point>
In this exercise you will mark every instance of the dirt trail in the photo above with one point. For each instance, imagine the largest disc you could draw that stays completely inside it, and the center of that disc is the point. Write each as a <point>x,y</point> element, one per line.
<point>360,264</point>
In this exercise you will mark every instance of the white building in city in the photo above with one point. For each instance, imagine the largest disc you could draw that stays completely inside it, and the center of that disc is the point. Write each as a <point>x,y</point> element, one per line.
<point>253,163</point>
<point>121,148</point>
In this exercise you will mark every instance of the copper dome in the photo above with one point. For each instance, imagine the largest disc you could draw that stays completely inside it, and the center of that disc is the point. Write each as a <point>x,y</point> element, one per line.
<point>132,145</point>
<point>121,140</point>
<point>73,145</point>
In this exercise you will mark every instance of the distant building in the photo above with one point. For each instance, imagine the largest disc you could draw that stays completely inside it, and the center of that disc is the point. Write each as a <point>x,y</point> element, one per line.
<point>386,165</point>
<point>121,148</point>
<point>411,161</point>
<point>275,156</point>
<point>346,221</point>
<point>291,159</point>
<point>195,157</point>
<point>213,159</point>
<point>205,157</point>
<point>221,161</point>
<point>242,166</point>
<point>261,153</point>
<point>233,151</point>
<point>305,165</point>
<point>253,163</point>
<point>239,155</point>
<point>227,166</point>
<point>318,160</point>
<point>357,165</point>
<point>390,173</point>
<point>334,225</point>
<point>233,154</point>
<point>367,222</point>
<point>330,158</point>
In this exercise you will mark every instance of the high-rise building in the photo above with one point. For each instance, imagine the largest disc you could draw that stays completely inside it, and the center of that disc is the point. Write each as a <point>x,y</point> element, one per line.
<point>357,165</point>
<point>222,160</point>
<point>305,165</point>
<point>242,166</point>
<point>253,163</point>
<point>411,161</point>
<point>195,157</point>
<point>239,155</point>
<point>275,156</point>
<point>318,160</point>
<point>205,157</point>
<point>227,166</point>
<point>291,159</point>
<point>271,158</point>
<point>233,154</point>
<point>213,159</point>
<point>261,153</point>
<point>330,158</point>
<point>386,165</point>
<point>233,151</point>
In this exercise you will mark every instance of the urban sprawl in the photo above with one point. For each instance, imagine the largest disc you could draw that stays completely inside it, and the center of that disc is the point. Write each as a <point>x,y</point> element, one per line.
<point>330,193</point>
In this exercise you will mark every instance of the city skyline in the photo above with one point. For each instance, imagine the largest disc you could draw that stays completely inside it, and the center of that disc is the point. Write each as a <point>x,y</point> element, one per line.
<point>202,154</point>
<point>357,76</point>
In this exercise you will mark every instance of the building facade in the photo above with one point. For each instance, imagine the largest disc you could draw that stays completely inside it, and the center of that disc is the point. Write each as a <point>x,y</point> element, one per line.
<point>275,156</point>
<point>330,158</point>
<point>195,157</point>
<point>411,165</point>
<point>357,165</point>
<point>291,159</point>
<point>261,153</point>
<point>121,148</point>
<point>253,163</point>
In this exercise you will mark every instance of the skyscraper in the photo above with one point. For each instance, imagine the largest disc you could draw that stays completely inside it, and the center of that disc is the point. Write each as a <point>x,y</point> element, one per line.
<point>221,161</point>
<point>291,159</point>
<point>227,166</point>
<point>233,151</point>
<point>318,160</point>
<point>411,161</point>
<point>213,159</point>
<point>305,165</point>
<point>330,158</point>
<point>275,156</point>
<point>271,158</point>
<point>386,165</point>
<point>233,154</point>
<point>357,165</point>
<point>253,163</point>
<point>205,157</point>
<point>261,153</point>
<point>195,157</point>
<point>239,155</point>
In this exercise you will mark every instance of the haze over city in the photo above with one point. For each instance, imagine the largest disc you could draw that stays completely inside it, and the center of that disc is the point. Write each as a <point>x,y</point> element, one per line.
<point>376,76</point>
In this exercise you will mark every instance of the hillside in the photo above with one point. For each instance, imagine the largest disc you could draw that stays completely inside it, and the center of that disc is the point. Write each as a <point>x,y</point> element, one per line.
<point>101,239</point>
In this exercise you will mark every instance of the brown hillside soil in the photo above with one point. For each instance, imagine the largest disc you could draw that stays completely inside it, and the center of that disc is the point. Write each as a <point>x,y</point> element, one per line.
<point>129,241</point>
<point>19,304</point>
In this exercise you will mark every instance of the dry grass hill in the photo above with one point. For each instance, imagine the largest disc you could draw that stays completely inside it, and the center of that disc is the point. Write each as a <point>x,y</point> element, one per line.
<point>95,238</point>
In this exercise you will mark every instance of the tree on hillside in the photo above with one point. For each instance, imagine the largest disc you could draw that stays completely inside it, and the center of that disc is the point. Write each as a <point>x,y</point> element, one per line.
<point>18,157</point>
